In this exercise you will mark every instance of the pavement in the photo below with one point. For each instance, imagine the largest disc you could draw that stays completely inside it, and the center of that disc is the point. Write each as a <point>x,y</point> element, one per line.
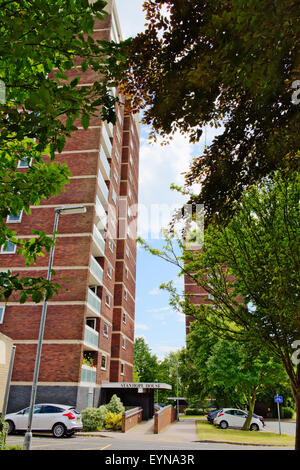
<point>183,431</point>
<point>179,431</point>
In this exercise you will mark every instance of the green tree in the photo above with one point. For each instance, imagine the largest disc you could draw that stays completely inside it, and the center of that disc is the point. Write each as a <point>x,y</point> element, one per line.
<point>251,268</point>
<point>244,369</point>
<point>221,63</point>
<point>40,43</point>
<point>146,363</point>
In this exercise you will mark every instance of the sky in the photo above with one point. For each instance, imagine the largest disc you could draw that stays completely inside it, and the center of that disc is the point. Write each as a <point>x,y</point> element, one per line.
<point>162,328</point>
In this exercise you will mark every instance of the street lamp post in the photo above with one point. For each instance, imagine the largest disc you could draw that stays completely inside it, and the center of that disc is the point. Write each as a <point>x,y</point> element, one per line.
<point>177,406</point>
<point>58,211</point>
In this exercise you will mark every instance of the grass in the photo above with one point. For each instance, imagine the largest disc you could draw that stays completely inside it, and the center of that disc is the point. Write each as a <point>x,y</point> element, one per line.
<point>207,431</point>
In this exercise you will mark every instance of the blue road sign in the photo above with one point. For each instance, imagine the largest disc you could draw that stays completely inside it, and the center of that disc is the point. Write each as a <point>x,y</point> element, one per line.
<point>278,399</point>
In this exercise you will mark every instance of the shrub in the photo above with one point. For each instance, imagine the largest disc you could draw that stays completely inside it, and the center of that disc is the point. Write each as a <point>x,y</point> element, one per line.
<point>113,421</point>
<point>115,405</point>
<point>3,432</point>
<point>287,412</point>
<point>93,418</point>
<point>193,411</point>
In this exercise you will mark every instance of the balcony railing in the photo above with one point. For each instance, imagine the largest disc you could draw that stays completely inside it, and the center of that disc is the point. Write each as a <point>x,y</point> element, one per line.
<point>88,374</point>
<point>101,216</point>
<point>91,339</point>
<point>102,191</point>
<point>93,304</point>
<point>104,165</point>
<point>105,141</point>
<point>98,246</point>
<point>96,273</point>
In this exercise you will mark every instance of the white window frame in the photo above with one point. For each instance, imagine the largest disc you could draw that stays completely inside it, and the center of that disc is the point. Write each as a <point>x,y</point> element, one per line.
<point>127,251</point>
<point>20,215</point>
<point>117,155</point>
<point>107,296</point>
<point>109,271</point>
<point>104,356</point>
<point>2,252</point>
<point>2,312</point>
<point>124,318</point>
<point>126,272</point>
<point>125,293</point>
<point>106,329</point>
<point>111,245</point>
<point>116,177</point>
<point>25,160</point>
<point>122,368</point>
<point>114,196</point>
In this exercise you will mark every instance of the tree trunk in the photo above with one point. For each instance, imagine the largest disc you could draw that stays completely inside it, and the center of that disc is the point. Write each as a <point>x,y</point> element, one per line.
<point>297,438</point>
<point>251,404</point>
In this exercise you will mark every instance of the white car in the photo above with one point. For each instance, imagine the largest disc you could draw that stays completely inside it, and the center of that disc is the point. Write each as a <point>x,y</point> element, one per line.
<point>236,418</point>
<point>61,420</point>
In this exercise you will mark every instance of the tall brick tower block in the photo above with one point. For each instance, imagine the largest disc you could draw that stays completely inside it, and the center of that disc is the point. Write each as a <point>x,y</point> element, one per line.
<point>89,331</point>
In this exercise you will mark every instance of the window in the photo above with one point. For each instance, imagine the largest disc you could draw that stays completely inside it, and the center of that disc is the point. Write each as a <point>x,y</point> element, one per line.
<point>106,329</point>
<point>2,310</point>
<point>124,318</point>
<point>125,293</point>
<point>122,368</point>
<point>107,300</point>
<point>129,193</point>
<point>109,271</point>
<point>116,176</point>
<point>13,219</point>
<point>119,135</point>
<point>103,362</point>
<point>123,342</point>
<point>91,322</point>
<point>51,409</point>
<point>126,272</point>
<point>24,163</point>
<point>127,251</point>
<point>9,250</point>
<point>111,245</point>
<point>114,196</point>
<point>130,160</point>
<point>117,155</point>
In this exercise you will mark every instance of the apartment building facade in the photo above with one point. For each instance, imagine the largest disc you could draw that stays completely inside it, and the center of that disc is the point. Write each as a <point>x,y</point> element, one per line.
<point>89,330</point>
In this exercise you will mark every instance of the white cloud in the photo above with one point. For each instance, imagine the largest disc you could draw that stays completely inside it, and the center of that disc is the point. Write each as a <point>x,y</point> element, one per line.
<point>141,326</point>
<point>155,291</point>
<point>160,309</point>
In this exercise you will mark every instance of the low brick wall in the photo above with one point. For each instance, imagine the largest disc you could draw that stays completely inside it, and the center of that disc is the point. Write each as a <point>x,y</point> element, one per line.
<point>131,418</point>
<point>163,418</point>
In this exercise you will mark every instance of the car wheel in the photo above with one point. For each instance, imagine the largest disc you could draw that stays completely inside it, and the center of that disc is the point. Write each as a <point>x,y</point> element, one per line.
<point>58,430</point>
<point>11,427</point>
<point>223,425</point>
<point>254,427</point>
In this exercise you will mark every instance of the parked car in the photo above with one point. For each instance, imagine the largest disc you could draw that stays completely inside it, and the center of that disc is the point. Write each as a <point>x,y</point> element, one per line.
<point>61,420</point>
<point>259,417</point>
<point>211,415</point>
<point>236,418</point>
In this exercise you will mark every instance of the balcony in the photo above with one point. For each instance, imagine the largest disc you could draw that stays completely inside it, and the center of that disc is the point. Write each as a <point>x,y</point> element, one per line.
<point>105,140</point>
<point>109,128</point>
<point>102,190</point>
<point>91,339</point>
<point>101,216</point>
<point>93,304</point>
<point>104,165</point>
<point>96,273</point>
<point>98,245</point>
<point>88,374</point>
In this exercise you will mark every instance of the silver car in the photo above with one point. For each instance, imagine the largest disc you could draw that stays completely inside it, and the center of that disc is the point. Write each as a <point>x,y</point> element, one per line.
<point>61,420</point>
